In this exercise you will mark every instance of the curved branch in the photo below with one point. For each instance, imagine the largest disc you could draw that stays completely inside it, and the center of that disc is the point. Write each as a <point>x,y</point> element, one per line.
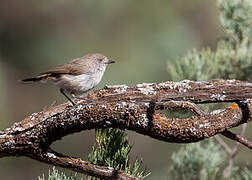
<point>132,108</point>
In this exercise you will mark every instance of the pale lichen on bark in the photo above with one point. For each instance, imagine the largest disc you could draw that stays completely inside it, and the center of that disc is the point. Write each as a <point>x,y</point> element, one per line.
<point>134,108</point>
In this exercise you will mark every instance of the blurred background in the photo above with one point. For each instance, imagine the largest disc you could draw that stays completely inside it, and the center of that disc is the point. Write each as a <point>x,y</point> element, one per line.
<point>141,36</point>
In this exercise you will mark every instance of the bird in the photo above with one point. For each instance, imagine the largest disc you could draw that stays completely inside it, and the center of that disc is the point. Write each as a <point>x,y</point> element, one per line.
<point>76,77</point>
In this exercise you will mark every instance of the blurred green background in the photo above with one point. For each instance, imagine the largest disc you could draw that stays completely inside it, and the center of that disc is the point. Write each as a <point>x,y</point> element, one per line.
<point>142,36</point>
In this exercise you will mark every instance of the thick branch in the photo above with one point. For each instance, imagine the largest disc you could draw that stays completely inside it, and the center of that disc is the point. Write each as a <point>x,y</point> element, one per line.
<point>197,92</point>
<point>132,108</point>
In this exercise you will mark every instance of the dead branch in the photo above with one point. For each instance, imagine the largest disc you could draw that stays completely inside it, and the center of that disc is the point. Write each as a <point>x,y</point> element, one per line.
<point>133,108</point>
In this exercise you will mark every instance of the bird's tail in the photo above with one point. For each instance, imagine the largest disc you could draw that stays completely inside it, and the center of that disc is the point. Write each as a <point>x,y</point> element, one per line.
<point>35,79</point>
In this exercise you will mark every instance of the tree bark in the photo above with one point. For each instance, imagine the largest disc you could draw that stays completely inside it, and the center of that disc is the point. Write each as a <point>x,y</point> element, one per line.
<point>133,108</point>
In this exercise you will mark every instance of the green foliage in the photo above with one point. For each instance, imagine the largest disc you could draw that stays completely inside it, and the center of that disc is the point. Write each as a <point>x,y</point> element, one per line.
<point>112,149</point>
<point>232,58</point>
<point>197,161</point>
<point>200,65</point>
<point>56,175</point>
<point>226,62</point>
<point>235,17</point>
<point>245,174</point>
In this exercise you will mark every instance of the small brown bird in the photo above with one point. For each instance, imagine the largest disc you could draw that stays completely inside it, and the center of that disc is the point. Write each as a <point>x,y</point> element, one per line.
<point>77,76</point>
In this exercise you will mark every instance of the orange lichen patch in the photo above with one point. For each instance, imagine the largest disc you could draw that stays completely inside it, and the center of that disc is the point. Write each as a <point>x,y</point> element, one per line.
<point>233,106</point>
<point>92,95</point>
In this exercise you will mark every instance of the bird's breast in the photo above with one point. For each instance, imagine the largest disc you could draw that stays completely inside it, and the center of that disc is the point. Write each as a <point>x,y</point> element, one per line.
<point>79,84</point>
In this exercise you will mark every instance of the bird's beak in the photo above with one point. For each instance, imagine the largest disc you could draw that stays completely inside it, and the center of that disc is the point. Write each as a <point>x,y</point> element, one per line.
<point>110,62</point>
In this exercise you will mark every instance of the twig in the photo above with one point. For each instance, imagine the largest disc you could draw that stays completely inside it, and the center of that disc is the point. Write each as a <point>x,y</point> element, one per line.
<point>223,144</point>
<point>238,138</point>
<point>243,130</point>
<point>232,152</point>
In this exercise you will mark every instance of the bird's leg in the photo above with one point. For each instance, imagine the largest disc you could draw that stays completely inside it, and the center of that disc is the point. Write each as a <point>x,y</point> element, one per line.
<point>68,98</point>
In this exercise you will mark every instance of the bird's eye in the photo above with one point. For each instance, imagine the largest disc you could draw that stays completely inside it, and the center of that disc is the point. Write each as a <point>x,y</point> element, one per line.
<point>100,60</point>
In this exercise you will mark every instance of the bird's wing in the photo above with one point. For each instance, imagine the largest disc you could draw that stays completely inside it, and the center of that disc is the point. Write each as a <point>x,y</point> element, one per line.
<point>74,67</point>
